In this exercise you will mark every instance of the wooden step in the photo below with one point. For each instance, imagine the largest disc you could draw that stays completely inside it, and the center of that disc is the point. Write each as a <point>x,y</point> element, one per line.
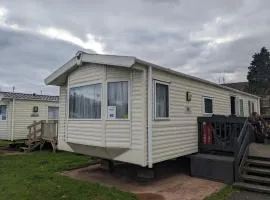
<point>257,170</point>
<point>258,179</point>
<point>252,187</point>
<point>259,162</point>
<point>24,149</point>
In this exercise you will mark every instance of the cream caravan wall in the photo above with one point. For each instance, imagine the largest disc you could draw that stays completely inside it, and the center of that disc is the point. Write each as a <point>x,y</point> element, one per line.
<point>126,134</point>
<point>5,125</point>
<point>22,115</point>
<point>62,144</point>
<point>178,135</point>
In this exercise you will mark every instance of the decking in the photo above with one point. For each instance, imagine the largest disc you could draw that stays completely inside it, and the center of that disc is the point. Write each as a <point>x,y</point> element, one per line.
<point>40,132</point>
<point>228,153</point>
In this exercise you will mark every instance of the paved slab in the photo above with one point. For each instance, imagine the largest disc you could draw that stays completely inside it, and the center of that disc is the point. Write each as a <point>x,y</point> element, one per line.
<point>246,195</point>
<point>176,186</point>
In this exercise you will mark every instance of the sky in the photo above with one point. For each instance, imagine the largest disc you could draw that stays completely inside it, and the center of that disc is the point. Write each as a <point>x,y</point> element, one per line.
<point>210,39</point>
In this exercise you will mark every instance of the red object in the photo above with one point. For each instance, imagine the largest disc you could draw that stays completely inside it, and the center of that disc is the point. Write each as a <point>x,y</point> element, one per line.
<point>207,133</point>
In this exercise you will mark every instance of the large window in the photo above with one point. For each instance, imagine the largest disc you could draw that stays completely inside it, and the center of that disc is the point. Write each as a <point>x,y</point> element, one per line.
<point>118,100</point>
<point>3,112</point>
<point>208,105</point>
<point>162,100</point>
<point>53,112</point>
<point>85,102</point>
<point>241,108</point>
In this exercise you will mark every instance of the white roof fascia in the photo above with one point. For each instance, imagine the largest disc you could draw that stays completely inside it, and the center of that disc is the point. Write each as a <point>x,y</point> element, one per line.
<point>118,61</point>
<point>121,61</point>
<point>60,71</point>
<point>194,78</point>
<point>82,57</point>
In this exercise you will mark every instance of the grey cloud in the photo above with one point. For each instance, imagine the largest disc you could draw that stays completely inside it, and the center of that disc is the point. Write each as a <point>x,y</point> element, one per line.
<point>174,33</point>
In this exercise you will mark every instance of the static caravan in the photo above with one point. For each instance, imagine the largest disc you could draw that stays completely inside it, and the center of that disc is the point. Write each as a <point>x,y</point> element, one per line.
<point>19,110</point>
<point>126,109</point>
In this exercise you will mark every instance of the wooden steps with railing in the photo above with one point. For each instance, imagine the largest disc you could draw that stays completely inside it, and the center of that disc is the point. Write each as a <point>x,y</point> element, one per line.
<point>40,132</point>
<point>255,174</point>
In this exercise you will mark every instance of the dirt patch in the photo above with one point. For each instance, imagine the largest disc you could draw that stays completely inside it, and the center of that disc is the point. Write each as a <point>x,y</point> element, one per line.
<point>149,196</point>
<point>174,186</point>
<point>6,151</point>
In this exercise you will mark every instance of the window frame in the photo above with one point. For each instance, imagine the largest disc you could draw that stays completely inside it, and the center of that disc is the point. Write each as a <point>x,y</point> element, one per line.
<point>212,99</point>
<point>53,107</point>
<point>155,100</point>
<point>81,85</point>
<point>6,113</point>
<point>129,99</point>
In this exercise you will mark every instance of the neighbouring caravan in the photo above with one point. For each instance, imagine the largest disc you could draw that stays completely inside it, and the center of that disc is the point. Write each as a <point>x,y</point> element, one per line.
<point>126,109</point>
<point>19,110</point>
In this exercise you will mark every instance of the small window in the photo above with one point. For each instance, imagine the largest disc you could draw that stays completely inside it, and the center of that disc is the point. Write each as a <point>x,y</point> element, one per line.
<point>85,102</point>
<point>53,112</point>
<point>162,100</point>
<point>208,105</point>
<point>241,108</point>
<point>252,107</point>
<point>233,105</point>
<point>118,99</point>
<point>3,112</point>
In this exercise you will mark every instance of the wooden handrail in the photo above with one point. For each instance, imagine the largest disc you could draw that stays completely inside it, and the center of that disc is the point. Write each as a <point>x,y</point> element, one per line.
<point>35,123</point>
<point>247,136</point>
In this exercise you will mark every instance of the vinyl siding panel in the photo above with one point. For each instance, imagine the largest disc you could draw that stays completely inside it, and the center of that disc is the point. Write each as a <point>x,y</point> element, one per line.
<point>22,115</point>
<point>62,136</point>
<point>118,133</point>
<point>178,136</point>
<point>85,132</point>
<point>86,74</point>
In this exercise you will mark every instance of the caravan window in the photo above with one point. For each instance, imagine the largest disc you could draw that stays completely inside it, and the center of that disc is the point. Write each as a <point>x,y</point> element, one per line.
<point>161,100</point>
<point>3,112</point>
<point>118,100</point>
<point>241,108</point>
<point>233,105</point>
<point>208,105</point>
<point>85,102</point>
<point>53,112</point>
<point>251,108</point>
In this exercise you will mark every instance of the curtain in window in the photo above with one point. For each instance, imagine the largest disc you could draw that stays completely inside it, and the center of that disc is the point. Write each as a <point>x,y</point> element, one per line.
<point>53,112</point>
<point>162,100</point>
<point>3,112</point>
<point>85,102</point>
<point>118,96</point>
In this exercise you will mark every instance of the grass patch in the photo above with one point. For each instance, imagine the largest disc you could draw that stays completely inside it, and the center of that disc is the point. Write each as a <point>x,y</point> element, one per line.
<point>223,194</point>
<point>33,176</point>
<point>4,143</point>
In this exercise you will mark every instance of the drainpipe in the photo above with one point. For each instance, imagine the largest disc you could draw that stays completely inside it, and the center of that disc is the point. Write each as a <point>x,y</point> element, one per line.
<point>150,117</point>
<point>12,119</point>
